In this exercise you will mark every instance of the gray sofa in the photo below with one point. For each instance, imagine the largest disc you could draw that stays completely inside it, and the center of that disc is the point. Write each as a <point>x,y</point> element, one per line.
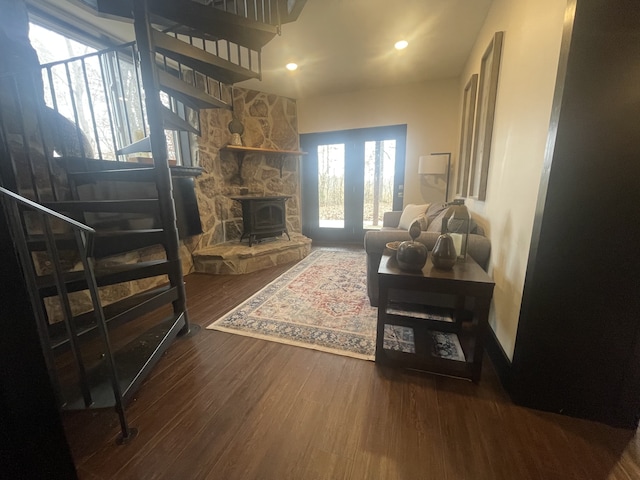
<point>479,246</point>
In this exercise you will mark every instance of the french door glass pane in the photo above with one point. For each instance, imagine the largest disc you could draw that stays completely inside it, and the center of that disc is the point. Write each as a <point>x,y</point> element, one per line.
<point>379,166</point>
<point>331,185</point>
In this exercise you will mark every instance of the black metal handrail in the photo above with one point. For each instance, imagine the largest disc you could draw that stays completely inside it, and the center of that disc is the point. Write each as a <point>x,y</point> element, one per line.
<point>83,235</point>
<point>265,11</point>
<point>41,208</point>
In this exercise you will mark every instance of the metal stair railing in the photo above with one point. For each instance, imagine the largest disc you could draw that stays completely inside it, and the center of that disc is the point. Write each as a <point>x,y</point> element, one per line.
<point>265,11</point>
<point>272,12</point>
<point>102,94</point>
<point>223,48</point>
<point>83,234</point>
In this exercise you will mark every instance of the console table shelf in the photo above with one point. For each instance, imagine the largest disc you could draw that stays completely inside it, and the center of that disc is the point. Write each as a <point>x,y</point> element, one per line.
<point>239,152</point>
<point>419,300</point>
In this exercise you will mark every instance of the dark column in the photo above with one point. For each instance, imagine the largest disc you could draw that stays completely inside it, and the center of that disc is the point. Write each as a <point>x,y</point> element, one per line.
<point>578,344</point>
<point>32,440</point>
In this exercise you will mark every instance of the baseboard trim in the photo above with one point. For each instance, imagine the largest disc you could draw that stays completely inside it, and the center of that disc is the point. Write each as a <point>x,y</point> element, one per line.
<point>499,358</point>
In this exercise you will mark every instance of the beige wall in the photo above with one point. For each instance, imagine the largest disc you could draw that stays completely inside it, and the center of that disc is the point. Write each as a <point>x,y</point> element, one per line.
<point>430,111</point>
<point>533,30</point>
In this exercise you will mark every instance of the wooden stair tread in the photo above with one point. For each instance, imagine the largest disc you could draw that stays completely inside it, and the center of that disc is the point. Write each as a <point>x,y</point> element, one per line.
<point>105,243</point>
<point>104,234</point>
<point>143,145</point>
<point>145,174</point>
<point>200,60</point>
<point>229,26</point>
<point>105,275</point>
<point>116,313</point>
<point>205,19</point>
<point>120,206</point>
<point>134,362</point>
<point>187,93</point>
<point>79,165</point>
<point>171,121</point>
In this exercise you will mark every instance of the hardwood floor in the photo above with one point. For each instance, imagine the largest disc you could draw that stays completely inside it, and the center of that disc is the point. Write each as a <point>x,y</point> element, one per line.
<point>222,406</point>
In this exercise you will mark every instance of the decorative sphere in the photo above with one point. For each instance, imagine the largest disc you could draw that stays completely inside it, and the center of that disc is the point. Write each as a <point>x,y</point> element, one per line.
<point>411,256</point>
<point>235,126</point>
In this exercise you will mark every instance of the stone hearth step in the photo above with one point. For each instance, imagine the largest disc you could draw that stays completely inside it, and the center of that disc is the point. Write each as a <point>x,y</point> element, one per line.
<point>234,258</point>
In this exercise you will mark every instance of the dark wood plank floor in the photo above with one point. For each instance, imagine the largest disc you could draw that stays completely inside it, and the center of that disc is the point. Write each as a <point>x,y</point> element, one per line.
<point>222,406</point>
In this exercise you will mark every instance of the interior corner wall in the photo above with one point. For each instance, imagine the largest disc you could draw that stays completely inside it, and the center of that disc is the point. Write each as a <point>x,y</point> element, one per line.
<point>430,110</point>
<point>530,54</point>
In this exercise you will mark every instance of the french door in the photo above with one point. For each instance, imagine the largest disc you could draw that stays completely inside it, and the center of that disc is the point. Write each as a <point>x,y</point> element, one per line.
<point>349,179</point>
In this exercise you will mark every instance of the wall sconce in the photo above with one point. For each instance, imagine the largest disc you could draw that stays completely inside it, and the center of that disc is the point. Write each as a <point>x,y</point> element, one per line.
<point>436,164</point>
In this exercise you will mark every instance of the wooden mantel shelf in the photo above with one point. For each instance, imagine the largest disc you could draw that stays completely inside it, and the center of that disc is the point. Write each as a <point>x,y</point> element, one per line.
<point>240,148</point>
<point>240,151</point>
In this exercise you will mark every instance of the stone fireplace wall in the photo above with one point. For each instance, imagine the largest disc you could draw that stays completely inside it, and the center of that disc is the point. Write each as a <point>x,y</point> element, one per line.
<point>269,122</point>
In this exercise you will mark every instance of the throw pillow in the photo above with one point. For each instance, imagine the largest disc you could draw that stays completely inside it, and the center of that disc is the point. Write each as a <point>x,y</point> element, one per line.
<point>435,222</point>
<point>410,213</point>
<point>435,214</point>
<point>435,209</point>
<point>435,225</point>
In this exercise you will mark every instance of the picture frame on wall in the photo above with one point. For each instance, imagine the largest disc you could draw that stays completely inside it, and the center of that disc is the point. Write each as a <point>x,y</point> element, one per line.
<point>466,135</point>
<point>483,130</point>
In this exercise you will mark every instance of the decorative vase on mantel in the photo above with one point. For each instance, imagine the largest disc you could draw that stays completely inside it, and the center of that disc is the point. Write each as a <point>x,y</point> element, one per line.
<point>412,256</point>
<point>444,253</point>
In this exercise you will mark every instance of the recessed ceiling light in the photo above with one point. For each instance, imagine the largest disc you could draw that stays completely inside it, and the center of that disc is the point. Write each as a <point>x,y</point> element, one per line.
<point>292,66</point>
<point>401,45</point>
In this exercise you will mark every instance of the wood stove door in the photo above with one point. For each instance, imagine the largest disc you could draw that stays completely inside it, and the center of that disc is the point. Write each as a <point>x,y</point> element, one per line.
<point>349,181</point>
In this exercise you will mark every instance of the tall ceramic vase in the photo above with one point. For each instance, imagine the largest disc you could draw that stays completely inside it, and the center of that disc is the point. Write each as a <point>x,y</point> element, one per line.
<point>444,253</point>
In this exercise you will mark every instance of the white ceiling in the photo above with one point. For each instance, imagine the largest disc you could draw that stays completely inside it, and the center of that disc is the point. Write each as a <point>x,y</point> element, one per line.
<point>347,45</point>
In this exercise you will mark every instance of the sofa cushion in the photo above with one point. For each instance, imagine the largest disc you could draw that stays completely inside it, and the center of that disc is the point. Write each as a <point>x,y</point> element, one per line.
<point>391,219</point>
<point>410,213</point>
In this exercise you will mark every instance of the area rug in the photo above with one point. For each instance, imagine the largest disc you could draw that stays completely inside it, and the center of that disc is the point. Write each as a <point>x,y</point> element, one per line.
<point>320,303</point>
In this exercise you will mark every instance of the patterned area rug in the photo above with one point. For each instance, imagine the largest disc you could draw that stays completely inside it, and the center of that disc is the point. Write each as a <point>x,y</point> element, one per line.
<point>320,303</point>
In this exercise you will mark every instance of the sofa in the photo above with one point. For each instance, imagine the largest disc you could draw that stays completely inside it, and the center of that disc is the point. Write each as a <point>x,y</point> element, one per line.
<point>478,246</point>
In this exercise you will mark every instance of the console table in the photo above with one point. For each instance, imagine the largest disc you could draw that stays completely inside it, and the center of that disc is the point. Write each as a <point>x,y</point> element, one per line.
<point>444,308</point>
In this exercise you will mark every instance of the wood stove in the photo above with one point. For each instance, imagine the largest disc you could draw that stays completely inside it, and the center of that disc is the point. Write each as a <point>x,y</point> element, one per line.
<point>263,217</point>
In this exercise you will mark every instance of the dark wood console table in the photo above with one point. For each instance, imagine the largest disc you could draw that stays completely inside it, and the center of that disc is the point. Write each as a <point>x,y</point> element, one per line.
<point>438,305</point>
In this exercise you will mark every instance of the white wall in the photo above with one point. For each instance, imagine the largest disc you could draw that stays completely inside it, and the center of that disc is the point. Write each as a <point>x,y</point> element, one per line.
<point>430,110</point>
<point>533,31</point>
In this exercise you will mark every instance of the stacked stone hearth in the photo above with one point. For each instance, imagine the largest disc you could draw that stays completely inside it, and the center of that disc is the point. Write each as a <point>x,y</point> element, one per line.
<point>269,122</point>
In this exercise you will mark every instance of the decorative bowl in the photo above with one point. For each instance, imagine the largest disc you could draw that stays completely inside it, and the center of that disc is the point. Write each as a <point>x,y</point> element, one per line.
<point>393,247</point>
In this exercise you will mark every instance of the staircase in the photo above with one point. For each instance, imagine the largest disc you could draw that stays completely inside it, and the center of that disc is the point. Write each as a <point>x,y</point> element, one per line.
<point>65,187</point>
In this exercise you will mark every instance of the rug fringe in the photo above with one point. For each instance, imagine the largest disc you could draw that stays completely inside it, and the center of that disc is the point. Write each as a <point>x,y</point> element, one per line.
<point>344,353</point>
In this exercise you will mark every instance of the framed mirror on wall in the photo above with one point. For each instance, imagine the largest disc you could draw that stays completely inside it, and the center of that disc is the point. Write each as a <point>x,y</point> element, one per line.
<point>487,92</point>
<point>466,135</point>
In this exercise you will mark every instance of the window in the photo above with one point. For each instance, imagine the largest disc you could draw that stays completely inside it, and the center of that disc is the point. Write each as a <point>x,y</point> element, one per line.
<point>98,90</point>
<point>54,47</point>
